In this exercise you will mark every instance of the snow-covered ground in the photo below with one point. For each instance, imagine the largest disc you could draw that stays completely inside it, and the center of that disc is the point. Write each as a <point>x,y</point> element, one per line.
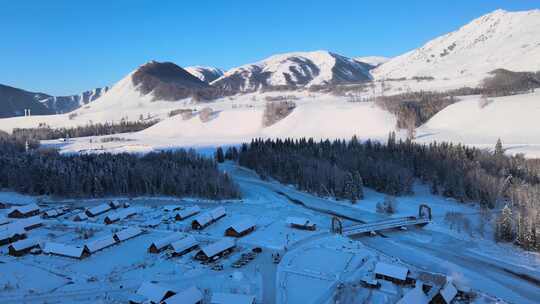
<point>113,274</point>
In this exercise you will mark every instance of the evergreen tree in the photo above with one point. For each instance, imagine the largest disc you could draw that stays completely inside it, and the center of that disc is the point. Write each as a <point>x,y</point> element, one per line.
<point>220,157</point>
<point>505,229</point>
<point>499,148</point>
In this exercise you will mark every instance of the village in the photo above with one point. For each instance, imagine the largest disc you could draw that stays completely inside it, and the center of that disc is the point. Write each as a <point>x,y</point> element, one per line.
<point>197,251</point>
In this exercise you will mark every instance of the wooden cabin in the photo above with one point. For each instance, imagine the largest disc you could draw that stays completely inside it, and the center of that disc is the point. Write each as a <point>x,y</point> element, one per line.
<point>74,252</point>
<point>98,210</point>
<point>151,293</point>
<point>120,215</point>
<point>301,223</point>
<point>162,244</point>
<point>29,223</point>
<point>187,212</point>
<point>184,246</point>
<point>24,211</point>
<point>11,234</point>
<point>80,217</point>
<point>241,228</point>
<point>23,247</point>
<point>393,273</point>
<point>100,244</point>
<point>126,234</point>
<point>191,295</point>
<point>206,219</point>
<point>216,250</point>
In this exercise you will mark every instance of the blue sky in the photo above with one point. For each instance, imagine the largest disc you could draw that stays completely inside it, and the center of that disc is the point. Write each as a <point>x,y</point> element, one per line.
<point>64,47</point>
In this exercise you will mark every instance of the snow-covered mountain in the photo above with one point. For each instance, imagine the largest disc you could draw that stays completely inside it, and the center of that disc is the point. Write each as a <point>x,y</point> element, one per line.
<point>206,74</point>
<point>373,60</point>
<point>14,101</point>
<point>64,104</point>
<point>501,39</point>
<point>168,81</point>
<point>292,70</point>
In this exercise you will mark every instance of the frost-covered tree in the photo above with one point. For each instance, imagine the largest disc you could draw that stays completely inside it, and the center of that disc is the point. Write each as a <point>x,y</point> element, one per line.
<point>505,227</point>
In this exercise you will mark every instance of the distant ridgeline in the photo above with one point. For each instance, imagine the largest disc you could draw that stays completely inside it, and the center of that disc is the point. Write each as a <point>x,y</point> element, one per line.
<point>179,173</point>
<point>336,168</point>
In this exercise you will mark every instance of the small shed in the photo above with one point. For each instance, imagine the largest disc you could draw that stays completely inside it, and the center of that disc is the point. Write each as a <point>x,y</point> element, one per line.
<point>191,295</point>
<point>80,217</point>
<point>152,293</point>
<point>4,205</point>
<point>206,219</point>
<point>162,244</point>
<point>120,215</point>
<point>241,228</point>
<point>230,298</point>
<point>115,204</point>
<point>22,247</point>
<point>75,252</point>
<point>187,212</point>
<point>24,211</point>
<point>98,210</point>
<point>301,223</point>
<point>126,234</point>
<point>29,223</point>
<point>216,250</point>
<point>100,244</point>
<point>10,234</point>
<point>184,246</point>
<point>389,272</point>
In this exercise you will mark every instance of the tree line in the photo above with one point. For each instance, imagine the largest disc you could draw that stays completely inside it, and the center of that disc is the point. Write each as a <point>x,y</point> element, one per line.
<point>46,172</point>
<point>93,129</point>
<point>341,168</point>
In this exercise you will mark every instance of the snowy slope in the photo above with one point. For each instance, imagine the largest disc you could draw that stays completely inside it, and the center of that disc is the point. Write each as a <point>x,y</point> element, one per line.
<point>64,104</point>
<point>206,74</point>
<point>373,60</point>
<point>514,119</point>
<point>501,39</point>
<point>301,69</point>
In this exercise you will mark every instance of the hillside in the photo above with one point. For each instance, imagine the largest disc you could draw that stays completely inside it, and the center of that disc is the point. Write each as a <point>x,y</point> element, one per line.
<point>501,39</point>
<point>206,74</point>
<point>294,70</point>
<point>14,101</point>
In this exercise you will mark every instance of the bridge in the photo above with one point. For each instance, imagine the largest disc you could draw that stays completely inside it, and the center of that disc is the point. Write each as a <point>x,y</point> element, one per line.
<point>423,218</point>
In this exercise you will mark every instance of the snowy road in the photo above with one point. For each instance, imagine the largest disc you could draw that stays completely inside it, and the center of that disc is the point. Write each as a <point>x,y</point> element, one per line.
<point>424,248</point>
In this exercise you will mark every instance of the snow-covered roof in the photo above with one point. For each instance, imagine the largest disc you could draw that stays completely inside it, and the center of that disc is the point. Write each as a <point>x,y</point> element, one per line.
<point>25,208</point>
<point>217,247</point>
<point>29,222</point>
<point>4,220</point>
<point>153,292</point>
<point>115,204</point>
<point>99,209</point>
<point>414,296</point>
<point>172,207</point>
<point>164,242</point>
<point>122,214</point>
<point>127,233</point>
<point>64,250</point>
<point>10,230</point>
<point>209,216</point>
<point>188,211</point>
<point>81,216</point>
<point>448,292</point>
<point>300,221</point>
<point>191,295</point>
<point>101,243</point>
<point>24,244</point>
<point>390,270</point>
<point>184,244</point>
<point>243,225</point>
<point>231,298</point>
<point>151,223</point>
